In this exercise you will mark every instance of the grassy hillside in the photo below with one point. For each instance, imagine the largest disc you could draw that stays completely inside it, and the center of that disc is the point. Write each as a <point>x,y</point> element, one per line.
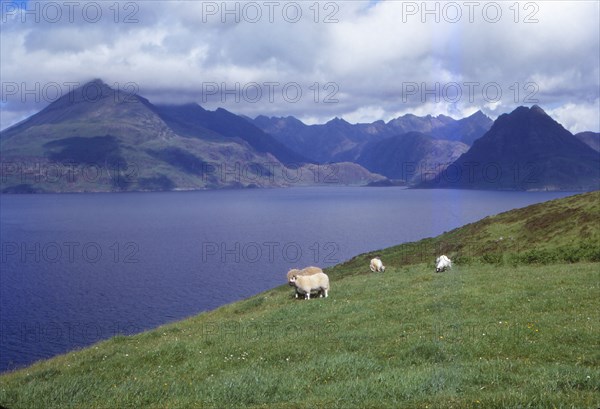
<point>513,333</point>
<point>563,230</point>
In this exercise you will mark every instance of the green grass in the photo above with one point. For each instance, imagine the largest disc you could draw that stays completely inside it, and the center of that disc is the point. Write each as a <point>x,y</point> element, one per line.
<point>480,336</point>
<point>558,231</point>
<point>484,335</point>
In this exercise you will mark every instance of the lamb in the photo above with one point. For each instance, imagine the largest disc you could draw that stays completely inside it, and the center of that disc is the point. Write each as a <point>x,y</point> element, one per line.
<point>442,263</point>
<point>304,272</point>
<point>305,284</point>
<point>377,265</point>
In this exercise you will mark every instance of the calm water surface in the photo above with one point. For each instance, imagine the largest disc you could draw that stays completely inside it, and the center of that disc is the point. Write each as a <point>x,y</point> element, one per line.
<point>78,268</point>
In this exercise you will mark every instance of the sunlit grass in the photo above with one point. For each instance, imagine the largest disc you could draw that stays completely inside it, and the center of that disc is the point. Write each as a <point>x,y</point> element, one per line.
<point>502,336</point>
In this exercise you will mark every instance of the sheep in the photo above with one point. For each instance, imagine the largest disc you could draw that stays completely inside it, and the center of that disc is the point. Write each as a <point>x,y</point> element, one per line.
<point>377,265</point>
<point>307,283</point>
<point>442,263</point>
<point>304,272</point>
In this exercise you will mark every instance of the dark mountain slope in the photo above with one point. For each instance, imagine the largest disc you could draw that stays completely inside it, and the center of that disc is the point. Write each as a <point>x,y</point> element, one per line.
<point>592,139</point>
<point>412,157</point>
<point>99,139</point>
<point>192,119</point>
<point>525,150</point>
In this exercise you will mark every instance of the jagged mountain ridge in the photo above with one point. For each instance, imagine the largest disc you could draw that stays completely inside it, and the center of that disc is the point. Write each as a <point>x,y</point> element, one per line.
<point>340,140</point>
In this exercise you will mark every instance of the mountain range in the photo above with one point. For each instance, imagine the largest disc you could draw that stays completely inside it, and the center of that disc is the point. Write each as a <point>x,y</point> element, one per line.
<point>96,138</point>
<point>523,150</point>
<point>340,140</point>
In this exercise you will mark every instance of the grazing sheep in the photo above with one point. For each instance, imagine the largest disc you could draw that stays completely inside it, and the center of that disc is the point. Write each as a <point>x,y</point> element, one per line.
<point>377,265</point>
<point>304,272</point>
<point>442,263</point>
<point>315,282</point>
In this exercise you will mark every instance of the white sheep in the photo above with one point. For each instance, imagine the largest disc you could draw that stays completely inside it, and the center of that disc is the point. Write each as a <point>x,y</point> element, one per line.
<point>315,282</point>
<point>377,265</point>
<point>304,272</point>
<point>442,263</point>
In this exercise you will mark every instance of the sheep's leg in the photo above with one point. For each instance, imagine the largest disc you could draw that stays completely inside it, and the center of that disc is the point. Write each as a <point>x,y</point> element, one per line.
<point>325,293</point>
<point>308,295</point>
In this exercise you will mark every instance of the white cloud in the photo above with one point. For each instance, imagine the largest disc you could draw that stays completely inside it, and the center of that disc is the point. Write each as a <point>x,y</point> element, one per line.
<point>374,55</point>
<point>365,114</point>
<point>578,117</point>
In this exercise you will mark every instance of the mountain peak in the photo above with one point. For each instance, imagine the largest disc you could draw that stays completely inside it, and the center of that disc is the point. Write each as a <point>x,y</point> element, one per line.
<point>97,81</point>
<point>478,114</point>
<point>223,111</point>
<point>534,109</point>
<point>95,88</point>
<point>338,121</point>
<point>537,110</point>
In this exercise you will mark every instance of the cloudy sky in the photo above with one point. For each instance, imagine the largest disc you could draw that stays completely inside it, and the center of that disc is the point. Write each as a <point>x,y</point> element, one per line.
<point>360,60</point>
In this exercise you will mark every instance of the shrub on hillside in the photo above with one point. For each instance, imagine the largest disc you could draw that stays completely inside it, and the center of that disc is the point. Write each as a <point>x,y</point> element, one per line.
<point>493,258</point>
<point>462,260</point>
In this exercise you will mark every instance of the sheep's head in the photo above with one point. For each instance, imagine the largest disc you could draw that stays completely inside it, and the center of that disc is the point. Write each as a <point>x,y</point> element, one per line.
<point>441,263</point>
<point>291,273</point>
<point>292,280</point>
<point>382,269</point>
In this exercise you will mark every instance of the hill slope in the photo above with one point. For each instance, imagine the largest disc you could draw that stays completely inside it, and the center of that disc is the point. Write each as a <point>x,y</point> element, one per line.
<point>410,157</point>
<point>481,335</point>
<point>562,230</point>
<point>525,150</point>
<point>96,138</point>
<point>190,117</point>
<point>592,139</point>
